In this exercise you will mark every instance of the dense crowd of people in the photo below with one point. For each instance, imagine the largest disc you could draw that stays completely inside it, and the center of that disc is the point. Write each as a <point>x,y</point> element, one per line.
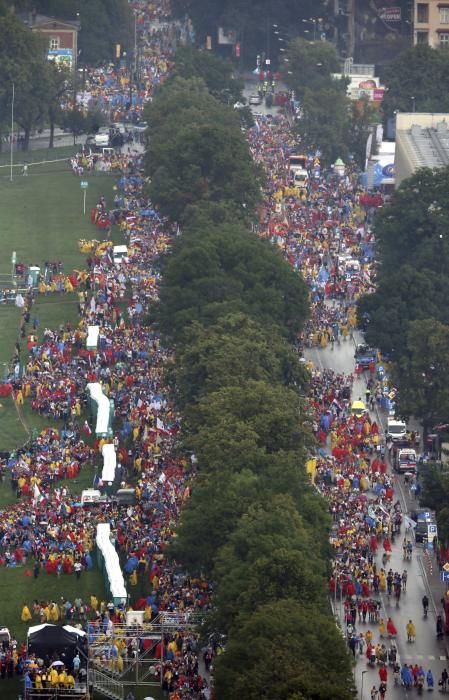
<point>325,234</point>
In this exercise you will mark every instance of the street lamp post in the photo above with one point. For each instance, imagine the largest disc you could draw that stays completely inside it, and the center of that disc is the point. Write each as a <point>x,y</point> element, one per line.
<point>361,686</point>
<point>313,21</point>
<point>12,132</point>
<point>135,45</point>
<point>413,102</point>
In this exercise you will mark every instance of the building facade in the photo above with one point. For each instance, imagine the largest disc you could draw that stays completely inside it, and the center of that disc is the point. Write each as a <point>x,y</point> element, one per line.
<point>431,23</point>
<point>62,37</point>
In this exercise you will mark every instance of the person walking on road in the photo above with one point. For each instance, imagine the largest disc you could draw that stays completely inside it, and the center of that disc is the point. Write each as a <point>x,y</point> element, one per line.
<point>411,631</point>
<point>443,681</point>
<point>383,674</point>
<point>425,605</point>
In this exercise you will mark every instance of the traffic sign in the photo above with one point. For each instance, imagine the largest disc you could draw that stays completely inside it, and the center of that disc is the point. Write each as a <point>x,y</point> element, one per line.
<point>444,576</point>
<point>446,566</point>
<point>84,184</point>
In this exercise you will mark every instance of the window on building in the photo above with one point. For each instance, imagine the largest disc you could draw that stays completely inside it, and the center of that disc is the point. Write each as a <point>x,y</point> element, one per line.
<point>422,12</point>
<point>444,40</point>
<point>422,37</point>
<point>444,15</point>
<point>54,43</point>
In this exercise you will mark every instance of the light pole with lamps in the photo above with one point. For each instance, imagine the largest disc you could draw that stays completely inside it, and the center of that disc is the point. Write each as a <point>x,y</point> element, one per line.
<point>361,685</point>
<point>313,21</point>
<point>12,131</point>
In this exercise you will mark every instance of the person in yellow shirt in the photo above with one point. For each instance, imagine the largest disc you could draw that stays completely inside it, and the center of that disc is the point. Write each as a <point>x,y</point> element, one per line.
<point>70,681</point>
<point>54,677</point>
<point>54,612</point>
<point>26,615</point>
<point>62,678</point>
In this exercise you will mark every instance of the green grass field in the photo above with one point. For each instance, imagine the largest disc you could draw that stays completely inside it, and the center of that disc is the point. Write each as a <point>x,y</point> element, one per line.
<point>42,219</point>
<point>42,216</point>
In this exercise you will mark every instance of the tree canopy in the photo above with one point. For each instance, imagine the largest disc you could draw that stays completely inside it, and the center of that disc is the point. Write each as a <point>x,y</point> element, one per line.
<point>310,65</point>
<point>421,73</point>
<point>197,152</point>
<point>413,282</point>
<point>285,650</point>
<point>227,269</point>
<point>422,372</point>
<point>252,20</point>
<point>233,307</point>
<point>231,351</point>
<point>329,122</point>
<point>23,62</point>
<point>104,23</point>
<point>216,73</point>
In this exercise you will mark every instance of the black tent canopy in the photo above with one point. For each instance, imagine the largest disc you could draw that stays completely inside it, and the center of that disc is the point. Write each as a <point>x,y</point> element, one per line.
<point>44,640</point>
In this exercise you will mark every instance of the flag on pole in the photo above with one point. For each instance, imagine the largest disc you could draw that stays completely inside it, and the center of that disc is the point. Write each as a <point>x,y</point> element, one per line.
<point>37,496</point>
<point>409,523</point>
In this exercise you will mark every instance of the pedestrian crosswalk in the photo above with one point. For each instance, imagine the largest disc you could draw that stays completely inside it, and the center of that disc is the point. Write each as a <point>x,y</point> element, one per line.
<point>420,657</point>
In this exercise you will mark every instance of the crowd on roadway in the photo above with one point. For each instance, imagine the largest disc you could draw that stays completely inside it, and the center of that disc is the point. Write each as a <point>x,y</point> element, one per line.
<point>323,233</point>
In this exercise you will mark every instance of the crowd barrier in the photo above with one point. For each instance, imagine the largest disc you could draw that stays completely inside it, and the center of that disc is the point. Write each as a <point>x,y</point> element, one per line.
<point>102,409</point>
<point>92,337</point>
<point>109,463</point>
<point>109,563</point>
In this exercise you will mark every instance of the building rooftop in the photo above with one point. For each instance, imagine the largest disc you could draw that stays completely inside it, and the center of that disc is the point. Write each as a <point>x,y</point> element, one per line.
<point>33,19</point>
<point>428,146</point>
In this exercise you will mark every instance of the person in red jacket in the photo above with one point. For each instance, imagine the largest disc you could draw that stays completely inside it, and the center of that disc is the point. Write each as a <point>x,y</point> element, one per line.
<point>391,629</point>
<point>383,674</point>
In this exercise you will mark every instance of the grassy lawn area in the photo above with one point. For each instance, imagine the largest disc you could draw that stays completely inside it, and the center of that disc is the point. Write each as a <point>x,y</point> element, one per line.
<point>42,219</point>
<point>50,312</point>
<point>26,589</point>
<point>36,156</point>
<point>42,216</point>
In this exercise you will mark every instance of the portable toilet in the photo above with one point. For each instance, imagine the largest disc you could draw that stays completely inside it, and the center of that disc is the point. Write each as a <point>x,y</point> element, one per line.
<point>33,276</point>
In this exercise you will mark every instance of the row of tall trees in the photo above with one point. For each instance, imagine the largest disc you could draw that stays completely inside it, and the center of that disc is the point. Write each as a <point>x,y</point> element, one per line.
<point>197,156</point>
<point>232,306</point>
<point>408,317</point>
<point>330,121</point>
<point>250,22</point>
<point>43,91</point>
<point>104,23</point>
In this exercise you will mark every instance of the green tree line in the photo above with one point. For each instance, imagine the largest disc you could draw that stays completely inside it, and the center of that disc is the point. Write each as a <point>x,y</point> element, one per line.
<point>104,23</point>
<point>330,122</point>
<point>43,91</point>
<point>233,307</point>
<point>408,317</point>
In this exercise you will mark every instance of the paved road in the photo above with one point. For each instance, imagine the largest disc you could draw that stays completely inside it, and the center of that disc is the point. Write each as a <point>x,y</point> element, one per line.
<point>251,87</point>
<point>427,650</point>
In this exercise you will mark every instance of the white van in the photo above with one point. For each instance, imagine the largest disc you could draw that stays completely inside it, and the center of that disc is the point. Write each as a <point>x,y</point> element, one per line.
<point>119,254</point>
<point>101,140</point>
<point>301,178</point>
<point>396,430</point>
<point>91,496</point>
